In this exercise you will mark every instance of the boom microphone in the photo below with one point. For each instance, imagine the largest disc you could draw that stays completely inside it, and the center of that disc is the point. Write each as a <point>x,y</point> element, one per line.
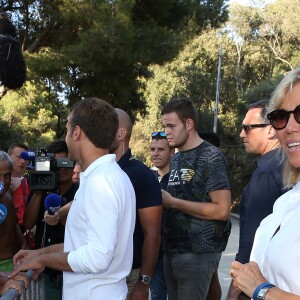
<point>3,213</point>
<point>12,64</point>
<point>1,187</point>
<point>52,203</point>
<point>28,155</point>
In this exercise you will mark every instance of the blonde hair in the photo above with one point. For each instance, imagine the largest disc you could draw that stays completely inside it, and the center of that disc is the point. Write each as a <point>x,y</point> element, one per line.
<point>291,175</point>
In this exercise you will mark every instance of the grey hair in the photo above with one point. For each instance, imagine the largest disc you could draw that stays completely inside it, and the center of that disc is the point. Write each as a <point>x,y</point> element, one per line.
<point>6,158</point>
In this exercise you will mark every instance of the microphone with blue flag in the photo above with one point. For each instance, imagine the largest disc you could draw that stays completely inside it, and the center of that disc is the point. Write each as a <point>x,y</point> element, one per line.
<point>28,155</point>
<point>3,213</point>
<point>52,203</point>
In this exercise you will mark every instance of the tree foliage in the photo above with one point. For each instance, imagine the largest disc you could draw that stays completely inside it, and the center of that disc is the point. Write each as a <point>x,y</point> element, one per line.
<point>250,71</point>
<point>103,45</point>
<point>139,54</point>
<point>29,118</point>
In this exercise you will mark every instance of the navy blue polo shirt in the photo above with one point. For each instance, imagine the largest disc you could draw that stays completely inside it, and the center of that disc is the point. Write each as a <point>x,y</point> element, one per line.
<point>258,198</point>
<point>147,192</point>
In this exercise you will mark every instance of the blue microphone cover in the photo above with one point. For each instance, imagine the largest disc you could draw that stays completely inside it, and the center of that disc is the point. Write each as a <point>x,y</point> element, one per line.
<point>1,187</point>
<point>3,212</point>
<point>28,155</point>
<point>52,203</point>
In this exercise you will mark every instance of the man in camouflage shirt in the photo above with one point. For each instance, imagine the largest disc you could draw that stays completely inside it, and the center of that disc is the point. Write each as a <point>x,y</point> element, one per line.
<point>197,205</point>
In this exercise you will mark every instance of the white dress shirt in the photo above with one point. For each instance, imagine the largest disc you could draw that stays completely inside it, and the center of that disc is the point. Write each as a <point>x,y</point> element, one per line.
<point>99,233</point>
<point>278,254</point>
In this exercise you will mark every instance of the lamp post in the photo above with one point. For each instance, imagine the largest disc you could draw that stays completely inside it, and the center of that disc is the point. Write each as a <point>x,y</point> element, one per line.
<point>217,92</point>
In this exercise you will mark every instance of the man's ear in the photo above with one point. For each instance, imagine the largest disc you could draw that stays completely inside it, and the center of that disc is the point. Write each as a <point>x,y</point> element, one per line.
<point>172,152</point>
<point>272,133</point>
<point>121,134</point>
<point>77,133</point>
<point>189,123</point>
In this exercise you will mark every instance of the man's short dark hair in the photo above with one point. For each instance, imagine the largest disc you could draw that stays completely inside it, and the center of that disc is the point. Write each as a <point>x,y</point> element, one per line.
<point>98,120</point>
<point>263,105</point>
<point>184,109</point>
<point>58,146</point>
<point>16,145</point>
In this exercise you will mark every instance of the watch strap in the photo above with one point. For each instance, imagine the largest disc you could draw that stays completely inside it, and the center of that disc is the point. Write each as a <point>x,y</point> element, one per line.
<point>145,279</point>
<point>266,285</point>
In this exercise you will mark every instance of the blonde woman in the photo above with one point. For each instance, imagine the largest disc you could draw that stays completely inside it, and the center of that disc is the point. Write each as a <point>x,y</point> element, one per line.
<point>274,270</point>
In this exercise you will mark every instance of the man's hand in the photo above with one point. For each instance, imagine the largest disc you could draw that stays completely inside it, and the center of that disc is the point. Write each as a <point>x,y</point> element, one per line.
<point>17,282</point>
<point>51,220</point>
<point>233,293</point>
<point>12,284</point>
<point>139,292</point>
<point>22,277</point>
<point>168,200</point>
<point>27,260</point>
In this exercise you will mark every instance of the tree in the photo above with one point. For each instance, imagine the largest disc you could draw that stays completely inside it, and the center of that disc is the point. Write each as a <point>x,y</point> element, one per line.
<point>280,31</point>
<point>102,45</point>
<point>28,117</point>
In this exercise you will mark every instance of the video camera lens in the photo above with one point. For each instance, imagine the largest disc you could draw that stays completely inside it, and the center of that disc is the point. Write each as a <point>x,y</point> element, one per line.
<point>44,180</point>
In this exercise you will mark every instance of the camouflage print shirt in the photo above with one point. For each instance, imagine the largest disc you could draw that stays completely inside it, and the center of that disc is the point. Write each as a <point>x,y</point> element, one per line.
<point>193,174</point>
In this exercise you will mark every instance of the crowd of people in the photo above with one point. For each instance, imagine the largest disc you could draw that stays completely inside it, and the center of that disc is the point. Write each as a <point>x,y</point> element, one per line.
<point>122,230</point>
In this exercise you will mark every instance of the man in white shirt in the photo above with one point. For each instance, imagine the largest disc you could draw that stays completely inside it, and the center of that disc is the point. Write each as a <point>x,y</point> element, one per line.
<point>97,253</point>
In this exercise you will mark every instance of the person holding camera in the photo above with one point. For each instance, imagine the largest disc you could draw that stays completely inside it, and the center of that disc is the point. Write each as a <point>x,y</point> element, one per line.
<point>49,229</point>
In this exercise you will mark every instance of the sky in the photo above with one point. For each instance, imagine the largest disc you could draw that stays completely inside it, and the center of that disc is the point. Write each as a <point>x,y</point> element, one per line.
<point>252,2</point>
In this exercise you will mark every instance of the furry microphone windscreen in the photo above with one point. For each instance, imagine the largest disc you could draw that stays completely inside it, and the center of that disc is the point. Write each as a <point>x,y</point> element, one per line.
<point>12,64</point>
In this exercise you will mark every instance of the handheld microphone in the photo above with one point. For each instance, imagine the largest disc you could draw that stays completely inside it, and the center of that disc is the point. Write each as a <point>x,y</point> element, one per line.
<point>3,213</point>
<point>28,155</point>
<point>1,187</point>
<point>52,203</point>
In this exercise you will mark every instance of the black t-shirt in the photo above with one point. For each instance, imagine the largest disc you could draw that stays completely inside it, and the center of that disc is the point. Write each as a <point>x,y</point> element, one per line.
<point>53,234</point>
<point>193,174</point>
<point>47,235</point>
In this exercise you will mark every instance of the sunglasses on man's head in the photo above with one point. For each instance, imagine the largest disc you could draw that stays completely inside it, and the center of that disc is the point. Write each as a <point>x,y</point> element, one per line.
<point>158,134</point>
<point>247,128</point>
<point>280,117</point>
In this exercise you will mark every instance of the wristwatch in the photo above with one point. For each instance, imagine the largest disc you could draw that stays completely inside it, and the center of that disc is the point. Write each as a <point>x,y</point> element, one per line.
<point>145,279</point>
<point>262,293</point>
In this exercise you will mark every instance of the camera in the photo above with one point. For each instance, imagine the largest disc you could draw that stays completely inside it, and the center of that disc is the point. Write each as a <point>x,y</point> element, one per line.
<point>44,176</point>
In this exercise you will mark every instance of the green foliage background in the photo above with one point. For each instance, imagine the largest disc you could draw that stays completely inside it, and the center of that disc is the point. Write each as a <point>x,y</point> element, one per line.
<point>139,54</point>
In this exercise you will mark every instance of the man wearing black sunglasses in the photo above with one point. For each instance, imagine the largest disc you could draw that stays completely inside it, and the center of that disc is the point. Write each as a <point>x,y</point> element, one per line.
<point>265,185</point>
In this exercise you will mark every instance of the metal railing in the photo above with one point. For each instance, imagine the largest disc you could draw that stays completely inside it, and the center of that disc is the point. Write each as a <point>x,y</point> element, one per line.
<point>35,290</point>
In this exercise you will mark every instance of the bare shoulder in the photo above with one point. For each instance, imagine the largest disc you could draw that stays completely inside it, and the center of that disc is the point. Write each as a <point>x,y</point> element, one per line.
<point>7,200</point>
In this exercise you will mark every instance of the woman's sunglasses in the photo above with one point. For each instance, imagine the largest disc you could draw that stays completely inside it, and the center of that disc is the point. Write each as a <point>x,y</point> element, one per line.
<point>280,117</point>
